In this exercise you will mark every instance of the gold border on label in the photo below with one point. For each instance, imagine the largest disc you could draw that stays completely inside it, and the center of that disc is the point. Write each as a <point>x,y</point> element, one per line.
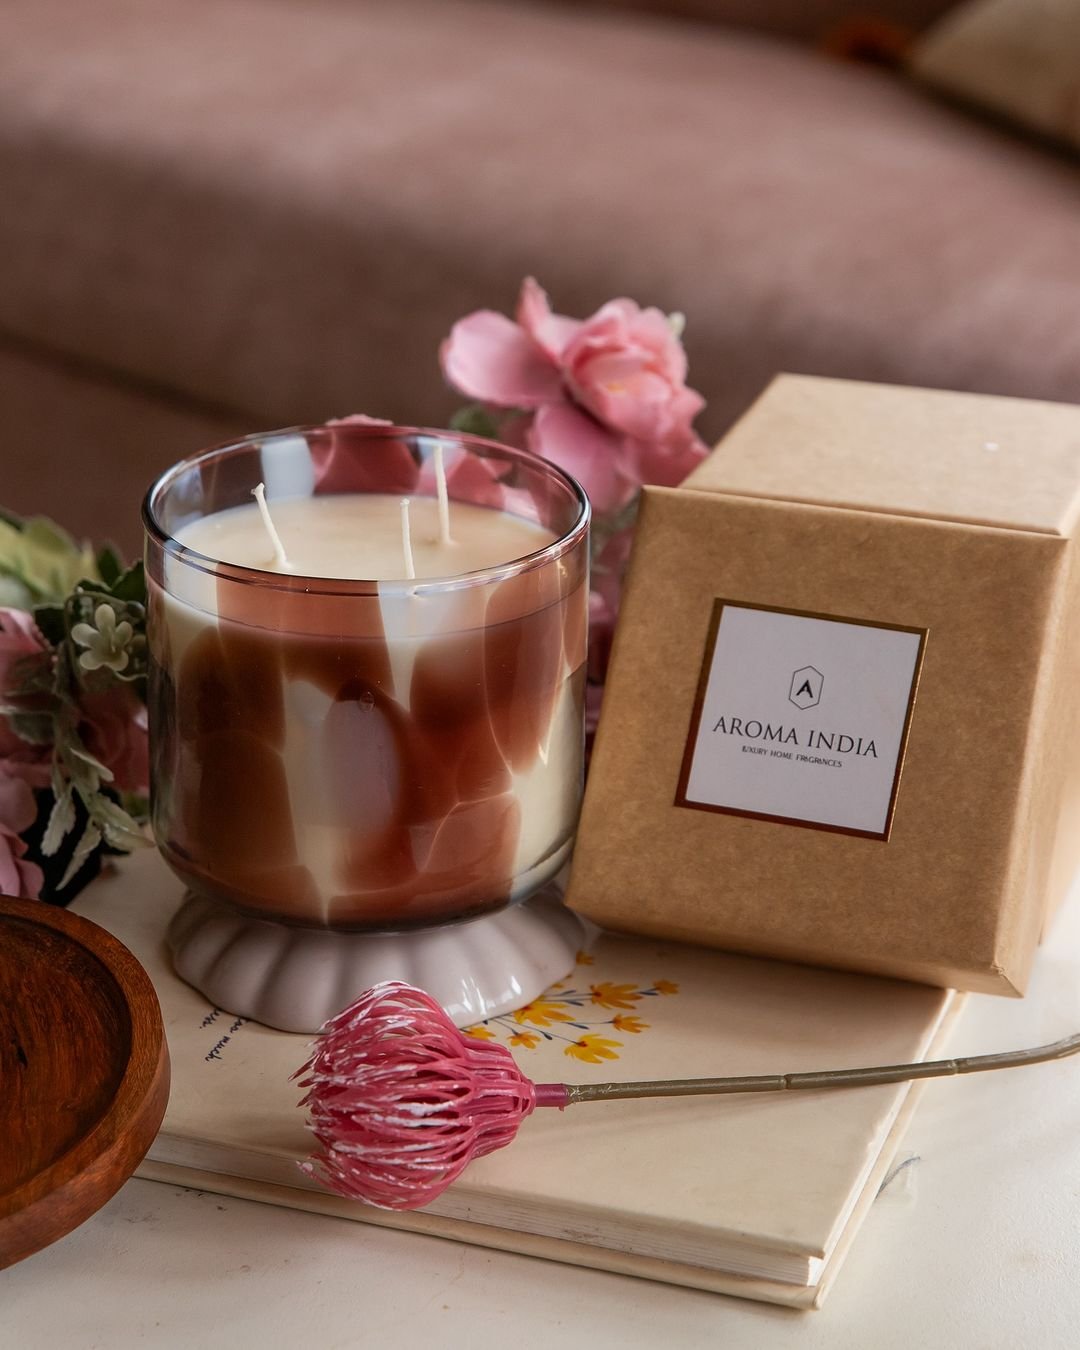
<point>699,704</point>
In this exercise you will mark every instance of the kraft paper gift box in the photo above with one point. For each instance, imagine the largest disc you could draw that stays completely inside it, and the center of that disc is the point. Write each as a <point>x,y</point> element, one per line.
<point>841,719</point>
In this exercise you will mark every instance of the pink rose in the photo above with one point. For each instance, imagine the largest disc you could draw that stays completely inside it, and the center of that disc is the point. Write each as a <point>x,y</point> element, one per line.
<point>114,730</point>
<point>19,638</point>
<point>608,396</point>
<point>20,759</point>
<point>627,366</point>
<point>20,642</point>
<point>18,810</point>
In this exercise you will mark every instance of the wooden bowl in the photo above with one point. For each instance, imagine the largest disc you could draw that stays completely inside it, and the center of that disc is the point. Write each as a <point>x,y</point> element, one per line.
<point>84,1072</point>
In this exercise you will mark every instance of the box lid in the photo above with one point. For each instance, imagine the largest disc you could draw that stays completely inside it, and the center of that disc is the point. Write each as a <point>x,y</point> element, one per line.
<point>974,458</point>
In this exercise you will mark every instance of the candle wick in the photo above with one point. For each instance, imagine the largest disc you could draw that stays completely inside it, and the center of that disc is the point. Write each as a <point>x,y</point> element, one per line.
<point>443,495</point>
<point>406,540</point>
<point>280,556</point>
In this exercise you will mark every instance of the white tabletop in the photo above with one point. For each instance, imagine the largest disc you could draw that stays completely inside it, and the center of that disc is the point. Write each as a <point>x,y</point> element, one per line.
<point>975,1246</point>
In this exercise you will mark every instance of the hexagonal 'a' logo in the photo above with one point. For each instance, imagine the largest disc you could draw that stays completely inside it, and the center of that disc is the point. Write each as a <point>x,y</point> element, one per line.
<point>806,686</point>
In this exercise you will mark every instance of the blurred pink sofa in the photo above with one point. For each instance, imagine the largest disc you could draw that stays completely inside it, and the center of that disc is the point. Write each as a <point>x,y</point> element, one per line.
<point>226,215</point>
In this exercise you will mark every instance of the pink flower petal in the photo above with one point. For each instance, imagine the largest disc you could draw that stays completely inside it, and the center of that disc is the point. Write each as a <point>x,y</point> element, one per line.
<point>345,462</point>
<point>30,764</point>
<point>20,637</point>
<point>469,478</point>
<point>18,877</point>
<point>31,879</point>
<point>594,698</point>
<point>19,632</point>
<point>628,397</point>
<point>613,316</point>
<point>666,463</point>
<point>587,451</point>
<point>18,810</point>
<point>10,880</point>
<point>652,330</point>
<point>488,357</point>
<point>551,332</point>
<point>359,419</point>
<point>114,729</point>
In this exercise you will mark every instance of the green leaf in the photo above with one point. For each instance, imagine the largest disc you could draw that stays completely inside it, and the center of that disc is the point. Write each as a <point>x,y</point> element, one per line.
<point>128,588</point>
<point>134,674</point>
<point>475,420</point>
<point>61,823</point>
<point>10,542</point>
<point>14,594</point>
<point>10,518</point>
<point>35,728</point>
<point>84,771</point>
<point>604,528</point>
<point>110,565</point>
<point>137,805</point>
<point>45,534</point>
<point>44,558</point>
<point>76,748</point>
<point>50,619</point>
<point>116,825</point>
<point>89,840</point>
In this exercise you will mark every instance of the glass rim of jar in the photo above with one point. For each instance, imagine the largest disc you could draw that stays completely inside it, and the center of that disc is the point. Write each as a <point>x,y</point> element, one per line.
<point>316,585</point>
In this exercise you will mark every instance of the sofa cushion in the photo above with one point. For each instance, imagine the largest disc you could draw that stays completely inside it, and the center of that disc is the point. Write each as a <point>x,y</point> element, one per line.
<point>806,20</point>
<point>279,208</point>
<point>83,449</point>
<point>1020,58</point>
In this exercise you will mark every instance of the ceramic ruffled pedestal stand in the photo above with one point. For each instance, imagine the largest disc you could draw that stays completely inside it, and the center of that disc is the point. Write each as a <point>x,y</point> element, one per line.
<point>297,978</point>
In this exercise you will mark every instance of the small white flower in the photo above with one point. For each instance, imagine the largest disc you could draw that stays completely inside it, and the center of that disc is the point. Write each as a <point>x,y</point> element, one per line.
<point>106,641</point>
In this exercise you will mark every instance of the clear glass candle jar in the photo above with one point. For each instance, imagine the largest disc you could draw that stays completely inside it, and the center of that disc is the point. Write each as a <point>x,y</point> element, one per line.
<point>366,755</point>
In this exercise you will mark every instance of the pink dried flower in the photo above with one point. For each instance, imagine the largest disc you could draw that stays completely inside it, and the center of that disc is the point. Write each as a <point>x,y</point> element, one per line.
<point>401,1102</point>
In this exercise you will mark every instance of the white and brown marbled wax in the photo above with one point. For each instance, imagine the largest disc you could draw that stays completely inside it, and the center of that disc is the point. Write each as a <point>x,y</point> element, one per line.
<point>378,759</point>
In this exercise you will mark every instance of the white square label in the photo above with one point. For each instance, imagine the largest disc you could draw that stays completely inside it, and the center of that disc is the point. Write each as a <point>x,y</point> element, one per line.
<point>802,718</point>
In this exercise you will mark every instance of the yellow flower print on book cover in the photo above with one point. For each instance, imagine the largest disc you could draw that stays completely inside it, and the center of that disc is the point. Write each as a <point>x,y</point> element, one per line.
<point>589,1017</point>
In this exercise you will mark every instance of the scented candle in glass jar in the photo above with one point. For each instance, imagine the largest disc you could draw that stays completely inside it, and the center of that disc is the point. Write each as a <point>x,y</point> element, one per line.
<point>366,694</point>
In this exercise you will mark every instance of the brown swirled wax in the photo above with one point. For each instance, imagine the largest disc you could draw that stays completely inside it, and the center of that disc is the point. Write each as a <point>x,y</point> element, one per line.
<point>337,743</point>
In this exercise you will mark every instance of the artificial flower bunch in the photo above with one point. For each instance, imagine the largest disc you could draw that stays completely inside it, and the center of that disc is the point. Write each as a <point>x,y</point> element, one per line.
<point>605,398</point>
<point>74,766</point>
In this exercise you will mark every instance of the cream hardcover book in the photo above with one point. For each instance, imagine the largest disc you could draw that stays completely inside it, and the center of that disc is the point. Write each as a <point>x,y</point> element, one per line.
<point>757,1196</point>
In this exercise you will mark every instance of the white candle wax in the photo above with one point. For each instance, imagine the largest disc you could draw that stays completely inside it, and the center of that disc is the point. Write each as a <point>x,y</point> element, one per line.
<point>357,536</point>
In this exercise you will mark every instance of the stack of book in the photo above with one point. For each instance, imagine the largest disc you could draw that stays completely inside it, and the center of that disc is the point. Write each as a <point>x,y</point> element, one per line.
<point>758,1196</point>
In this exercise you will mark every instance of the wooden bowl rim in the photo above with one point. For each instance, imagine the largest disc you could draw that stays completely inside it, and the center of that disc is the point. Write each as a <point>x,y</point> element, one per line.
<point>115,1145</point>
